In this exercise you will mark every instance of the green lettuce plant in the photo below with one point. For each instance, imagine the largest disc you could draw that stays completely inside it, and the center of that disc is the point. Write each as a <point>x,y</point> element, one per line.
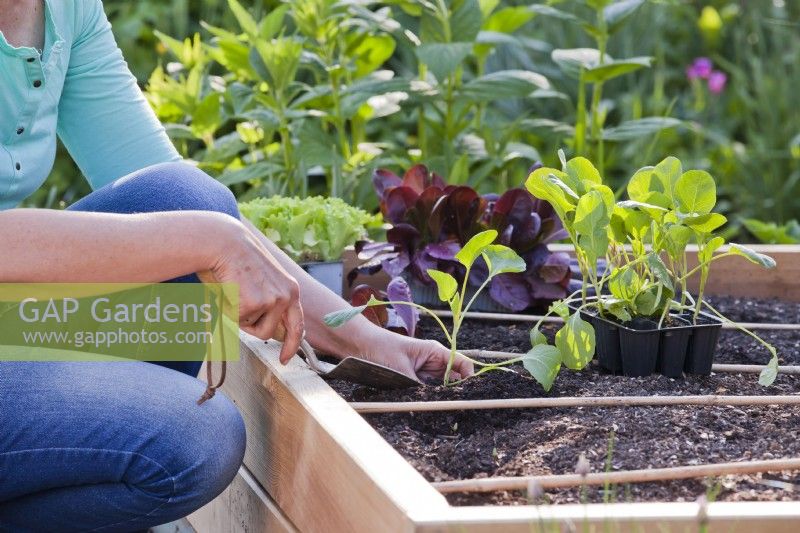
<point>499,259</point>
<point>640,245</point>
<point>309,229</point>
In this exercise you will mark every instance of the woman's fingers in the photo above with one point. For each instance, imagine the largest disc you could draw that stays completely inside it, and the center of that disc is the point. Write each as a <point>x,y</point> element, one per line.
<point>283,323</point>
<point>248,321</point>
<point>295,331</point>
<point>268,327</point>
<point>463,366</point>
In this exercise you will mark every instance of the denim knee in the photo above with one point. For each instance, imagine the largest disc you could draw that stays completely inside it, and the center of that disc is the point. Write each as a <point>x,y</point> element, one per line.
<point>201,454</point>
<point>211,453</point>
<point>162,187</point>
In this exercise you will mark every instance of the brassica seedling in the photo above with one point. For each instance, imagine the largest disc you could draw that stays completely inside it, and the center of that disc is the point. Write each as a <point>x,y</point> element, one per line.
<point>499,259</point>
<point>667,209</point>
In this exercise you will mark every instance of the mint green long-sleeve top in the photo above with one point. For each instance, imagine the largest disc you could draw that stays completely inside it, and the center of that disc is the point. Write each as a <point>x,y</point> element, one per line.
<point>81,89</point>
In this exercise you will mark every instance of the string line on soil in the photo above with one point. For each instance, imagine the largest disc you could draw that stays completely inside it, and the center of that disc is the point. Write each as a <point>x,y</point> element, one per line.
<point>727,368</point>
<point>508,317</point>
<point>571,401</point>
<point>625,476</point>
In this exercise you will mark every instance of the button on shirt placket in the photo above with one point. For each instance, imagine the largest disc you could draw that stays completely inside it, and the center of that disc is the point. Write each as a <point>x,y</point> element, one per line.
<point>34,71</point>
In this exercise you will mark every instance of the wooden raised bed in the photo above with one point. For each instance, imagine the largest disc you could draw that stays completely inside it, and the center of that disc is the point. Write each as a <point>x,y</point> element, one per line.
<point>312,463</point>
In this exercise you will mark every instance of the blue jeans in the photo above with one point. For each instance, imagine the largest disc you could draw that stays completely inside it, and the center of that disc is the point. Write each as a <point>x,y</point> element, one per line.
<point>118,446</point>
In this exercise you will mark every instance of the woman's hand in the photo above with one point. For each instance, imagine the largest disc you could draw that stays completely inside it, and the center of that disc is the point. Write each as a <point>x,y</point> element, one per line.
<point>269,298</point>
<point>419,359</point>
<point>424,360</point>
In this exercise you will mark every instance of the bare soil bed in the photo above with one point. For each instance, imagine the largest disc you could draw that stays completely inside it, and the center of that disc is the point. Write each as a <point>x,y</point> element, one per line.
<point>473,444</point>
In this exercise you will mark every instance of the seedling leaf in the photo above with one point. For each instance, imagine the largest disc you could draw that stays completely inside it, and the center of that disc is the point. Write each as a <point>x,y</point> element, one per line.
<point>595,244</point>
<point>696,192</point>
<point>625,283</point>
<point>606,194</point>
<point>657,266</point>
<point>502,259</point>
<point>591,214</point>
<point>445,283</point>
<point>540,184</point>
<point>677,237</point>
<point>705,223</point>
<point>641,184</point>
<point>537,337</point>
<point>633,204</point>
<point>475,247</point>
<point>580,170</point>
<point>543,362</point>
<point>668,173</point>
<point>767,375</point>
<point>559,308</point>
<point>576,341</point>
<point>706,253</point>
<point>343,316</point>
<point>648,300</point>
<point>755,257</point>
<point>619,309</point>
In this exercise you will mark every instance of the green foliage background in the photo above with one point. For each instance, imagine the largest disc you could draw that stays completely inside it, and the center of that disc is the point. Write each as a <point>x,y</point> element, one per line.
<point>748,137</point>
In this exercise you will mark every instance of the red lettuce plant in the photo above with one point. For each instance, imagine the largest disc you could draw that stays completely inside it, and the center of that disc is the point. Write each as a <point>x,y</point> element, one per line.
<point>400,318</point>
<point>432,221</point>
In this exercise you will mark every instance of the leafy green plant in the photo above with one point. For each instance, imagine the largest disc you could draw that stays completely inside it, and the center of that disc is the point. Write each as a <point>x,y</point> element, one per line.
<point>667,209</point>
<point>772,233</point>
<point>304,91</point>
<point>499,259</point>
<point>451,42</point>
<point>294,96</point>
<point>748,136</point>
<point>309,229</point>
<point>593,68</point>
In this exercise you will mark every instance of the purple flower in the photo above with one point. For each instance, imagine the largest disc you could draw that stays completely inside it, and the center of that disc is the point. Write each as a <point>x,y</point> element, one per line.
<point>700,69</point>
<point>716,81</point>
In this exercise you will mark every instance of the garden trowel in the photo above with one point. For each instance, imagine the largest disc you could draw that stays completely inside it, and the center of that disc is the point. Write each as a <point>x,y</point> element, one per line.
<point>350,369</point>
<point>354,370</point>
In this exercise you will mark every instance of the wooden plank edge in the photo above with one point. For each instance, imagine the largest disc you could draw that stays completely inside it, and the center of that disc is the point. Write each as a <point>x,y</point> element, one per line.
<point>322,459</point>
<point>727,517</point>
<point>242,507</point>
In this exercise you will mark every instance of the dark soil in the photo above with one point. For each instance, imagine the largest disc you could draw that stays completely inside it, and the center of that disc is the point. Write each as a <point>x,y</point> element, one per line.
<point>474,444</point>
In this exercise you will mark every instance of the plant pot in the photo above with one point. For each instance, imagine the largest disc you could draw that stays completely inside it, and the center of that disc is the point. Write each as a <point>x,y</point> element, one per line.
<point>639,342</point>
<point>674,345</point>
<point>703,344</point>
<point>607,347</point>
<point>606,342</point>
<point>328,273</point>
<point>428,296</point>
<point>639,348</point>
